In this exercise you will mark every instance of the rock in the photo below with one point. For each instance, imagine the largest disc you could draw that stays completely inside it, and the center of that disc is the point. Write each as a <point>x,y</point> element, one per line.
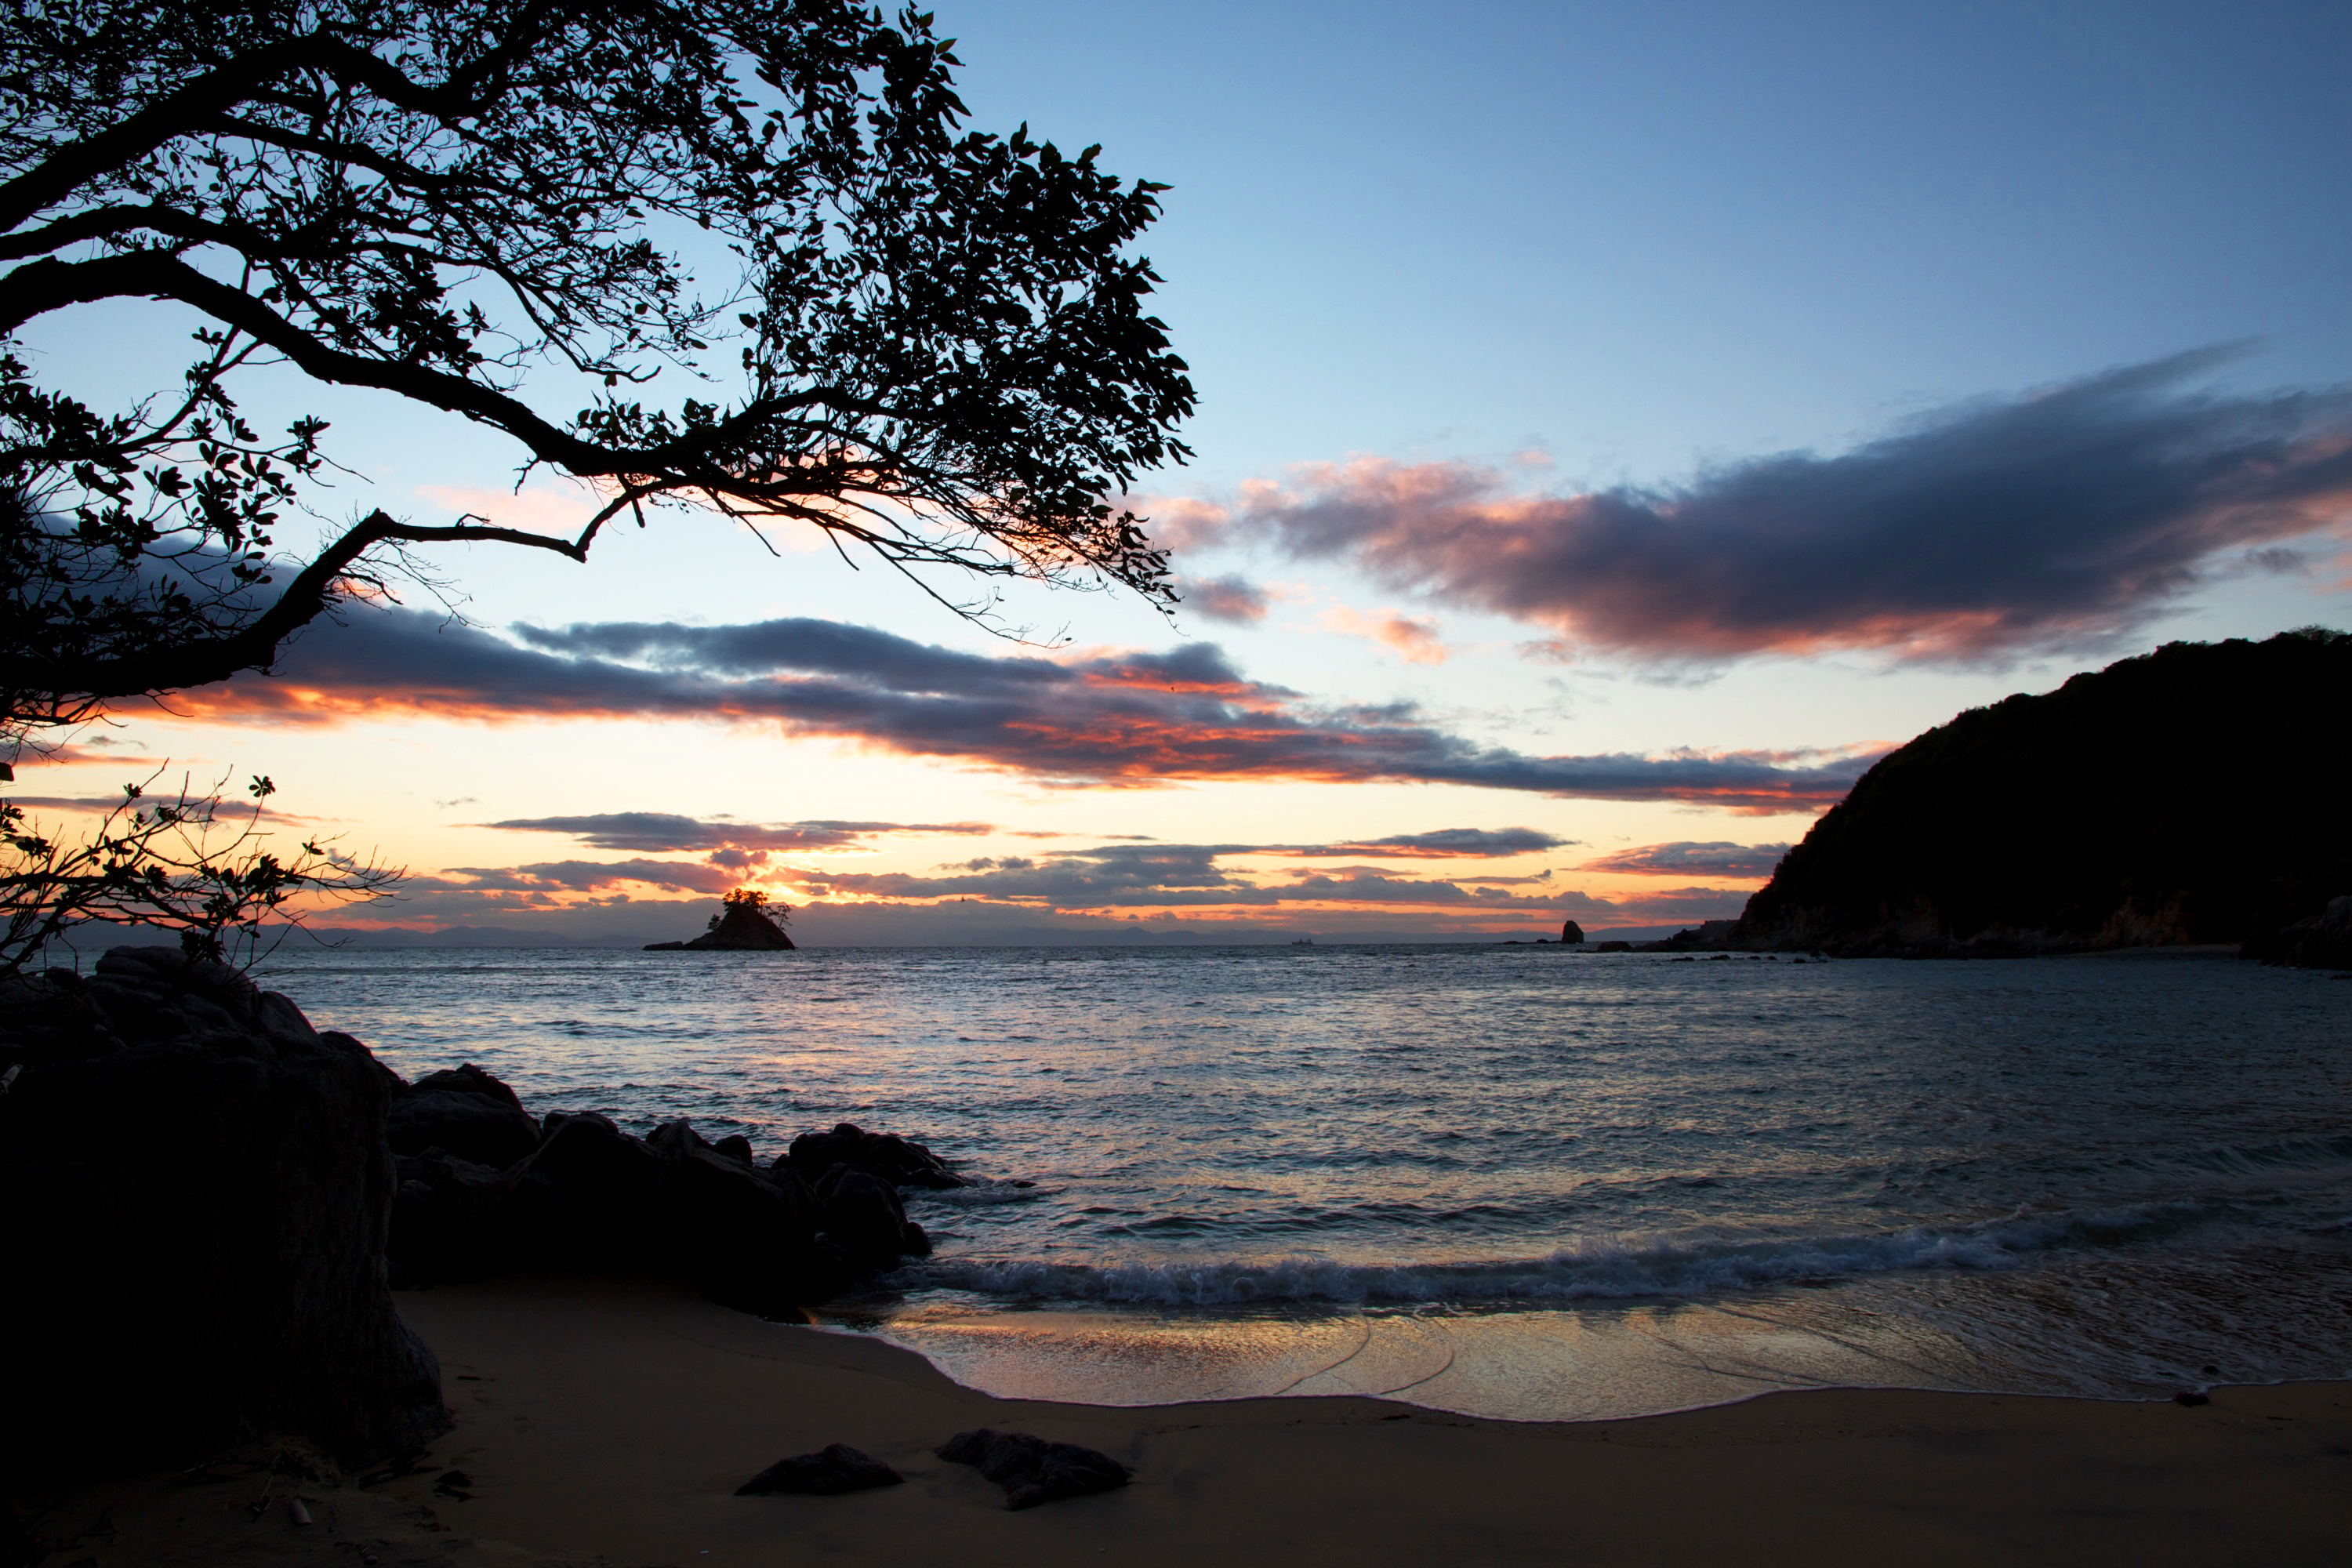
<point>210,1270</point>
<point>1570,933</point>
<point>896,1160</point>
<point>1612,947</point>
<point>464,1111</point>
<point>588,1196</point>
<point>2322,940</point>
<point>1032,1470</point>
<point>745,1239</point>
<point>161,993</point>
<point>862,1214</point>
<point>447,1219</point>
<point>591,1196</point>
<point>742,926</point>
<point>831,1470</point>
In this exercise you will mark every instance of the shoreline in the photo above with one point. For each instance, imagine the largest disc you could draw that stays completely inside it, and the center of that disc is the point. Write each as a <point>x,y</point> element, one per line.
<point>608,1421</point>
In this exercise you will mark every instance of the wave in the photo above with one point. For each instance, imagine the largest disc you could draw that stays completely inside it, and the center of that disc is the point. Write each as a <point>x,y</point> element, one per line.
<point>982,1192</point>
<point>1616,1270</point>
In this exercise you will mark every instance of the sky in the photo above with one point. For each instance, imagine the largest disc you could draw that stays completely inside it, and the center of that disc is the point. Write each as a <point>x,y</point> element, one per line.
<point>1619,424</point>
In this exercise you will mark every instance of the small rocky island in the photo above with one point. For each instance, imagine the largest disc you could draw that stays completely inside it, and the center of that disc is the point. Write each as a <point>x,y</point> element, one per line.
<point>742,925</point>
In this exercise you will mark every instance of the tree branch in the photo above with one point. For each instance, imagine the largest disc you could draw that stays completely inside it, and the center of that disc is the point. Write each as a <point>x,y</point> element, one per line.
<point>255,647</point>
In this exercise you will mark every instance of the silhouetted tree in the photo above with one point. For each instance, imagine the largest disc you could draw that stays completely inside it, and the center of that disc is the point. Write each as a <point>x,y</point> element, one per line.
<point>184,863</point>
<point>937,336</point>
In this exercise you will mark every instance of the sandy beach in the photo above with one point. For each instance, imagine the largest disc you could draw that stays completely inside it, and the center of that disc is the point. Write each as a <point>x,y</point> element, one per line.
<point>611,1421</point>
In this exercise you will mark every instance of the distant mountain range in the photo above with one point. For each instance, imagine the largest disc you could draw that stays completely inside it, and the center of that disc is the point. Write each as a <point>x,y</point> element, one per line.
<point>2200,793</point>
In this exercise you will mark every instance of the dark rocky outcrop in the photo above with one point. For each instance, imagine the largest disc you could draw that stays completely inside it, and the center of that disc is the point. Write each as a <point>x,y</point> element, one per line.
<point>198,1190</point>
<point>463,1111</point>
<point>2322,940</point>
<point>588,1195</point>
<point>831,1470</point>
<point>894,1159</point>
<point>743,927</point>
<point>1032,1470</point>
<point>2192,795</point>
<point>1570,933</point>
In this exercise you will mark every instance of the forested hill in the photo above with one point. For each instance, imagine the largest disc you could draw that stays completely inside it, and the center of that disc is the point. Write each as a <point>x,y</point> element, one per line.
<point>2200,793</point>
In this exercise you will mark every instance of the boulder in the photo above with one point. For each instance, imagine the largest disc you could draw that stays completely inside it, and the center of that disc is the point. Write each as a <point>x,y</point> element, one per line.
<point>593,1198</point>
<point>861,1214</point>
<point>1032,1470</point>
<point>197,1197</point>
<point>831,1470</point>
<point>448,1219</point>
<point>589,1196</point>
<point>2322,940</point>
<point>896,1160</point>
<point>466,1112</point>
<point>745,1239</point>
<point>1570,933</point>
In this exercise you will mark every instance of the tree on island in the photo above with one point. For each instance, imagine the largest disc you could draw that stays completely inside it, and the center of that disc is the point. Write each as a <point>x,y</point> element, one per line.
<point>746,921</point>
<point>936,337</point>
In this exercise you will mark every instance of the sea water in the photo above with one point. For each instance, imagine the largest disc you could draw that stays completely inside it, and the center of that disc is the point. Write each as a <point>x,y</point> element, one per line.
<point>1514,1181</point>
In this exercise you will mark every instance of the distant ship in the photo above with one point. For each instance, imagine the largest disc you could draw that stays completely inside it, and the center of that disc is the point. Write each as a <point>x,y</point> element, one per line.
<point>1302,941</point>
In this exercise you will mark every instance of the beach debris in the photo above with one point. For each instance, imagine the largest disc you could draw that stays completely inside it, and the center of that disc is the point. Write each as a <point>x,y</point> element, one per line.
<point>830,1471</point>
<point>2191,1397</point>
<point>1032,1470</point>
<point>297,1512</point>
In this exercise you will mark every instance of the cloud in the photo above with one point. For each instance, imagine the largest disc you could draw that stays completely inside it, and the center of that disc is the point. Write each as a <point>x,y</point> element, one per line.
<point>1108,717</point>
<point>548,876</point>
<point>1413,638</point>
<point>1231,599</point>
<point>1443,843</point>
<point>1692,860</point>
<point>659,832</point>
<point>2051,521</point>
<point>1158,880</point>
<point>1164,876</point>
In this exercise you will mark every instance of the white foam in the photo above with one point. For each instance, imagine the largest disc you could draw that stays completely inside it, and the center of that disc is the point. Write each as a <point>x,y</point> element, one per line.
<point>1622,1269</point>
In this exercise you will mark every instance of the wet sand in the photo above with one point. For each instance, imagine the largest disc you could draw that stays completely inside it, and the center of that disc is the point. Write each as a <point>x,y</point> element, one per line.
<point>610,1422</point>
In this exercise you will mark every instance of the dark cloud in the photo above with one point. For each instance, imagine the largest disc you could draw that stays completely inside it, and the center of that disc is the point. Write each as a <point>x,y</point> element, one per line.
<point>1445,843</point>
<point>1231,599</point>
<point>1176,875</point>
<point>659,832</point>
<point>1133,718</point>
<point>575,877</point>
<point>2056,521</point>
<point>1160,878</point>
<point>1692,860</point>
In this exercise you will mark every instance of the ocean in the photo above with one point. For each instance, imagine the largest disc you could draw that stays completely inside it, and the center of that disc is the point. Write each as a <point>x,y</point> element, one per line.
<point>1510,1181</point>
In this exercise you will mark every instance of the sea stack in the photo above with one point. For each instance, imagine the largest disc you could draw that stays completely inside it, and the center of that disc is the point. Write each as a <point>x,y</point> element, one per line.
<point>742,925</point>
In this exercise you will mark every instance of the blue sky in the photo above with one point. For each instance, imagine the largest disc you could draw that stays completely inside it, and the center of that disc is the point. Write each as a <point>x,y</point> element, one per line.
<point>1714,313</point>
